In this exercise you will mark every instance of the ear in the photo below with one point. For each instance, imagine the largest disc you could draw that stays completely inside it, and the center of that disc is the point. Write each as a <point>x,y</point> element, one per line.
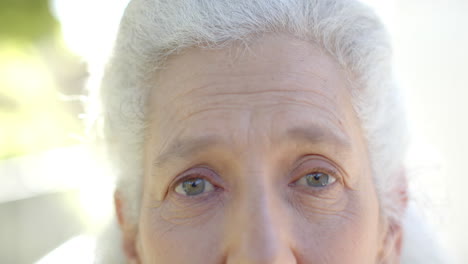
<point>392,243</point>
<point>128,229</point>
<point>393,226</point>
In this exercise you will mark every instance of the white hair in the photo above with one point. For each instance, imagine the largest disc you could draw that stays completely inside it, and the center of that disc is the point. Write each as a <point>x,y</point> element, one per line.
<point>347,30</point>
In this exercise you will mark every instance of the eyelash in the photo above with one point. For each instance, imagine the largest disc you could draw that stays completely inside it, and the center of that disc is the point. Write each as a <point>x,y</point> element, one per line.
<point>194,175</point>
<point>323,170</point>
<point>207,178</point>
<point>328,171</point>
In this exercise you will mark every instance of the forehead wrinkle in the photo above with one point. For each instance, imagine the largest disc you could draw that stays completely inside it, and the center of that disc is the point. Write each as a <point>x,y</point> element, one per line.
<point>276,92</point>
<point>191,114</point>
<point>181,148</point>
<point>204,81</point>
<point>211,100</point>
<point>225,104</point>
<point>203,106</point>
<point>330,111</point>
<point>330,116</point>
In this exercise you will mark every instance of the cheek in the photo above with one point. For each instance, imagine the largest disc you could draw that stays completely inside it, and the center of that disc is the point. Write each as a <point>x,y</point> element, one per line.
<point>172,234</point>
<point>321,206</point>
<point>348,236</point>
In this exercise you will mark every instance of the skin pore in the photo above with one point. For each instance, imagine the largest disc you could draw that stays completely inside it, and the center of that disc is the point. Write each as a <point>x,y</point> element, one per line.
<point>256,156</point>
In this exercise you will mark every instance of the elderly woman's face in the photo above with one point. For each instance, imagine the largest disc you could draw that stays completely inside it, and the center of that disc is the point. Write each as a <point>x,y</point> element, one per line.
<point>255,155</point>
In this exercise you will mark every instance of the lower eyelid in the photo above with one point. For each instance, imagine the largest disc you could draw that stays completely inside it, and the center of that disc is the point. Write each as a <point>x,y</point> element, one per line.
<point>190,203</point>
<point>180,209</point>
<point>328,192</point>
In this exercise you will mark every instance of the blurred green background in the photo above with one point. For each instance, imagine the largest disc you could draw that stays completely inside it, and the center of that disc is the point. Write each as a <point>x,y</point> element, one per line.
<point>47,166</point>
<point>28,20</point>
<point>41,82</point>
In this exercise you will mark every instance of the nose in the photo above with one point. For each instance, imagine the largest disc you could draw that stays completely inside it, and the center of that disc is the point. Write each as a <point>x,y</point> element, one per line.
<point>258,232</point>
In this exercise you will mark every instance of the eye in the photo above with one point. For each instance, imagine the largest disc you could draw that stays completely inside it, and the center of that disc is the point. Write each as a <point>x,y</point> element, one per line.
<point>316,179</point>
<point>194,186</point>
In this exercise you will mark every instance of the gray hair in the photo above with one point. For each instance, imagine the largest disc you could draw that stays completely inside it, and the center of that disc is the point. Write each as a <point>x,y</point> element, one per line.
<point>152,30</point>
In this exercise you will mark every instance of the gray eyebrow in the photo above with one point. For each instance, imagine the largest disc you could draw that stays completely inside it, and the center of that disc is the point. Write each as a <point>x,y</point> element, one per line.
<point>182,148</point>
<point>317,135</point>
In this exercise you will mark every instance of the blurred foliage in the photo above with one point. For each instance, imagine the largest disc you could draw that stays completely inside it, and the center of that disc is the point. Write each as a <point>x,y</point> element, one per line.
<point>27,20</point>
<point>35,70</point>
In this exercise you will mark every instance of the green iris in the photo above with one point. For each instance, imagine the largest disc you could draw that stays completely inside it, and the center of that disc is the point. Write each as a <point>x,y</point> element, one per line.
<point>317,179</point>
<point>193,186</point>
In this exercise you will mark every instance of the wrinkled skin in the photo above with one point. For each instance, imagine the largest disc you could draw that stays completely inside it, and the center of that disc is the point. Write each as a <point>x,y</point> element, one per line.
<point>251,124</point>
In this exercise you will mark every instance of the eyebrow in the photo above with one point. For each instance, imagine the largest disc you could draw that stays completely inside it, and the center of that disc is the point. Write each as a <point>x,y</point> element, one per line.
<point>185,147</point>
<point>317,135</point>
<point>182,148</point>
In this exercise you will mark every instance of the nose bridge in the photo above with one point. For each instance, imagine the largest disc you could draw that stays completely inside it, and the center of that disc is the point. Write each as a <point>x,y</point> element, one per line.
<point>257,230</point>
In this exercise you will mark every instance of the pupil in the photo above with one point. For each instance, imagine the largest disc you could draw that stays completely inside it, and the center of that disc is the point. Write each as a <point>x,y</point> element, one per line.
<point>194,186</point>
<point>317,179</point>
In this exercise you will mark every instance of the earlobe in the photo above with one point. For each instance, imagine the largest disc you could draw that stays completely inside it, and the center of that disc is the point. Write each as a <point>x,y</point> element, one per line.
<point>128,229</point>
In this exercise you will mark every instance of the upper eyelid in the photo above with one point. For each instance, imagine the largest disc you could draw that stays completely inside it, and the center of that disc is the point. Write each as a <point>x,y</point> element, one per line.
<point>300,170</point>
<point>320,170</point>
<point>188,175</point>
<point>324,170</point>
<point>296,173</point>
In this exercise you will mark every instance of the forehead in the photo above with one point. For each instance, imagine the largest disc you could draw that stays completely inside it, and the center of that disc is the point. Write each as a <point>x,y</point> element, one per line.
<point>273,79</point>
<point>278,58</point>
